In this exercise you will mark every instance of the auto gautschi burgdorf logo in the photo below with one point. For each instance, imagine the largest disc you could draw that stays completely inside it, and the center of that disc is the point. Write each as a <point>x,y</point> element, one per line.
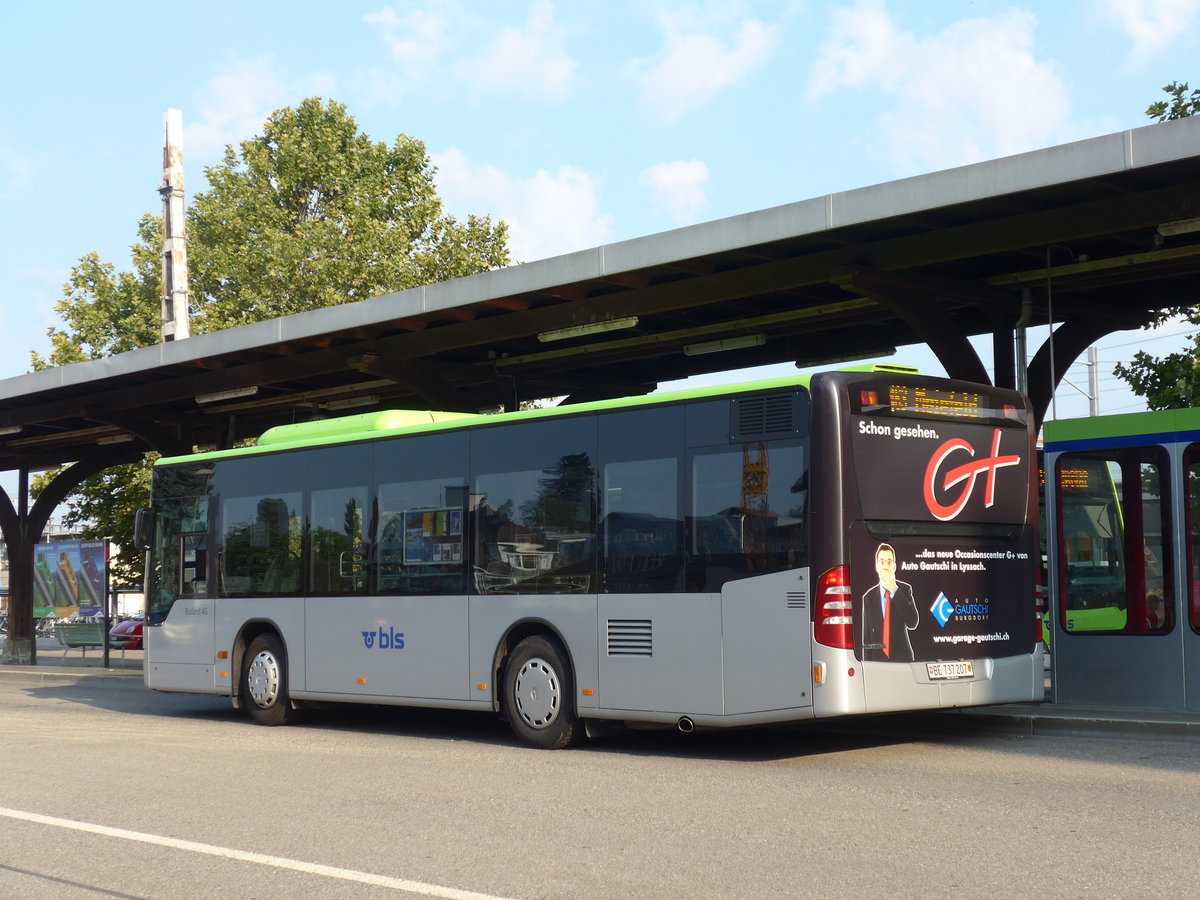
<point>944,610</point>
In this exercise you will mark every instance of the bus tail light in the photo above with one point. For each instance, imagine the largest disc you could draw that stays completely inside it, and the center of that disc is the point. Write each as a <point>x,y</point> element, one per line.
<point>834,622</point>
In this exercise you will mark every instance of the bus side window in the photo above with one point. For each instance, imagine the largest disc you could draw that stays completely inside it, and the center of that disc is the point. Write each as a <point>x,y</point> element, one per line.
<point>640,524</point>
<point>749,508</point>
<point>261,545</point>
<point>420,506</point>
<point>338,495</point>
<point>1114,542</point>
<point>534,508</point>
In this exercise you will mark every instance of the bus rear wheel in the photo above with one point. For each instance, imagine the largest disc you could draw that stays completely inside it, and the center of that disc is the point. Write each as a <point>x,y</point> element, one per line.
<point>539,696</point>
<point>264,682</point>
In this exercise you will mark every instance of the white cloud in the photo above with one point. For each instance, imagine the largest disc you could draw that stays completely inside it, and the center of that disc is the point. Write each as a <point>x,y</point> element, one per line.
<point>548,213</point>
<point>1152,24</point>
<point>973,91</point>
<point>531,61</point>
<point>678,188</point>
<point>417,38</point>
<point>235,103</point>
<point>697,63</point>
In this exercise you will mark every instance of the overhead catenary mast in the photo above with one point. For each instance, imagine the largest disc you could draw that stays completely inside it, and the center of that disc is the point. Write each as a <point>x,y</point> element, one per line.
<point>175,325</point>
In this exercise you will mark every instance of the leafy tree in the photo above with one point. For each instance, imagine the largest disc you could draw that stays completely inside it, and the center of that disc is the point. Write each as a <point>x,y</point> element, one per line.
<point>310,213</point>
<point>109,311</point>
<point>313,213</point>
<point>1180,106</point>
<point>1171,381</point>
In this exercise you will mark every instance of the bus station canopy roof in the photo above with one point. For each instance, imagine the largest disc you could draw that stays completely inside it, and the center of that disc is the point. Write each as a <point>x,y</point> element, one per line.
<point>1099,234</point>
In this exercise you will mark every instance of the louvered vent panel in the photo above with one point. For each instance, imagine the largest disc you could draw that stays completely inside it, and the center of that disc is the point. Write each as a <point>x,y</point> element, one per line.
<point>797,600</point>
<point>630,637</point>
<point>772,414</point>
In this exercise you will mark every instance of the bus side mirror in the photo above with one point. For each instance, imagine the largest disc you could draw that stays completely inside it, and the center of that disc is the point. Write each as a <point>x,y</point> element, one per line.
<point>143,529</point>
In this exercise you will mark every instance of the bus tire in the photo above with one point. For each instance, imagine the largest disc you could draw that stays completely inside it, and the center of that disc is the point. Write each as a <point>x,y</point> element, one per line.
<point>539,695</point>
<point>264,682</point>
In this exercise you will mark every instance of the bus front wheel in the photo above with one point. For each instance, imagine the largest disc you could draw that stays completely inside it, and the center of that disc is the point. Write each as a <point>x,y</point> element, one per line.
<point>264,682</point>
<point>539,699</point>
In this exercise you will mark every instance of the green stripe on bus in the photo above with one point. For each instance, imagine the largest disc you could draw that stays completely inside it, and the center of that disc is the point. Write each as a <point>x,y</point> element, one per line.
<point>1125,425</point>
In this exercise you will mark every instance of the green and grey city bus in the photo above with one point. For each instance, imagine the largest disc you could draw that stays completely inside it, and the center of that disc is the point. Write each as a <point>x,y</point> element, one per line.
<point>829,545</point>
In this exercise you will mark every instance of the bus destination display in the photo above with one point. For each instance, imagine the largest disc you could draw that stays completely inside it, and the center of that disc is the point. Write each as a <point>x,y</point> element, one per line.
<point>924,400</point>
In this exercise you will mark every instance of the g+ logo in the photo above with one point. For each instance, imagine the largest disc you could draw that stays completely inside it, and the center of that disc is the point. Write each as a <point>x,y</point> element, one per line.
<point>966,474</point>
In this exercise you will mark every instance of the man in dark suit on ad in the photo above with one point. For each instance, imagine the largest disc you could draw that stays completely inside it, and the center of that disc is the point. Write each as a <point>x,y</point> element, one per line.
<point>889,613</point>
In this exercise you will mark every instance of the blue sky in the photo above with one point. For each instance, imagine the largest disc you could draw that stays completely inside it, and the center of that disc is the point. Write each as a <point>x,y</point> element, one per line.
<point>578,123</point>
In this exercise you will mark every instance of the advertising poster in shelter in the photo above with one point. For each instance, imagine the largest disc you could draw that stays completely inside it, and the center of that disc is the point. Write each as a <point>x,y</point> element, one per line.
<point>69,577</point>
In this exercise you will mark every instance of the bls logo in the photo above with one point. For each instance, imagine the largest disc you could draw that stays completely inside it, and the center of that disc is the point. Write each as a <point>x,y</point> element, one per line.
<point>965,475</point>
<point>388,639</point>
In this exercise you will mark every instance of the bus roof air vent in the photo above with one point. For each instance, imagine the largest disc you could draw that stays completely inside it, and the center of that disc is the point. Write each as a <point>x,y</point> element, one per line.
<point>893,368</point>
<point>364,424</point>
<point>773,415</point>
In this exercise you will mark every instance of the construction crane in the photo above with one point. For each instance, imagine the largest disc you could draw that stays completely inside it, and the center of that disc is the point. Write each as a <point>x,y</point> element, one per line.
<point>755,475</point>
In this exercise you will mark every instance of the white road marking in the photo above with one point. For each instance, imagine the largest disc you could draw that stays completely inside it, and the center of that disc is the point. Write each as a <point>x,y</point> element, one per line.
<point>279,862</point>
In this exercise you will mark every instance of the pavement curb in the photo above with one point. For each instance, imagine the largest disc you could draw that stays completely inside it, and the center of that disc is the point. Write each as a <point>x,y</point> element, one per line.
<point>65,675</point>
<point>1139,725</point>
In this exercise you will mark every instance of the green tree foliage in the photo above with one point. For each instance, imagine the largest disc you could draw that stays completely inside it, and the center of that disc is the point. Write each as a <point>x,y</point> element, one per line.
<point>1180,105</point>
<point>109,311</point>
<point>311,213</point>
<point>1171,381</point>
<point>308,214</point>
<point>1167,382</point>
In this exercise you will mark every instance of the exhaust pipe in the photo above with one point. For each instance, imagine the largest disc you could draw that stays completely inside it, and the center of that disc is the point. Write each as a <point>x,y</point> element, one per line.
<point>686,725</point>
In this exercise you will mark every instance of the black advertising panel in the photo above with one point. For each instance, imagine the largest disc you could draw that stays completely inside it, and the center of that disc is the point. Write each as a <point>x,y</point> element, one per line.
<point>941,471</point>
<point>950,597</point>
<point>943,556</point>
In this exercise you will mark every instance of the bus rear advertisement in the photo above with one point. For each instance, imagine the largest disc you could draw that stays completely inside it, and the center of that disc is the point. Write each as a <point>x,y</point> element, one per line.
<point>843,543</point>
<point>951,502</point>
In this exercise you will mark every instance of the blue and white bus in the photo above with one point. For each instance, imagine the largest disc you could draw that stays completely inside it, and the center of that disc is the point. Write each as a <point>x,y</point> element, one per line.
<point>843,543</point>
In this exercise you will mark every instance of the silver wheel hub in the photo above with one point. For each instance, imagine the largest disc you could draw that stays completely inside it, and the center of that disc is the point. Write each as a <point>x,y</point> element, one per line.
<point>262,679</point>
<point>537,694</point>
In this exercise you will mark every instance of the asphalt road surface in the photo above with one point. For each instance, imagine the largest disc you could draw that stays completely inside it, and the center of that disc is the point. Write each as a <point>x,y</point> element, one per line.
<point>110,790</point>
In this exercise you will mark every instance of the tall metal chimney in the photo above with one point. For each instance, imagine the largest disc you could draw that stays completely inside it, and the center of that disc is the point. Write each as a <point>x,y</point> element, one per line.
<point>175,325</point>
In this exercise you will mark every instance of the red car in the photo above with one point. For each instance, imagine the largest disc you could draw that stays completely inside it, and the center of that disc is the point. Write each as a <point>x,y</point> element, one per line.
<point>126,635</point>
